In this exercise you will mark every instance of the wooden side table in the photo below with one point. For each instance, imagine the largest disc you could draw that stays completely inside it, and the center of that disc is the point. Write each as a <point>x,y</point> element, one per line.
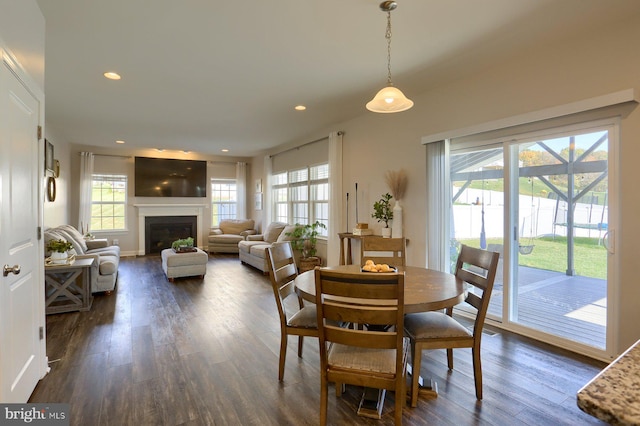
<point>346,257</point>
<point>68,287</point>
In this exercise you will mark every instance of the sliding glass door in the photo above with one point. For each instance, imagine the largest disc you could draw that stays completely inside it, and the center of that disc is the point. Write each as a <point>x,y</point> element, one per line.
<point>542,201</point>
<point>560,283</point>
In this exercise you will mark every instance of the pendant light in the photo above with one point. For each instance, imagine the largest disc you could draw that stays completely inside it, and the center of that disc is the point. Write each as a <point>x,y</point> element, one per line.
<point>390,99</point>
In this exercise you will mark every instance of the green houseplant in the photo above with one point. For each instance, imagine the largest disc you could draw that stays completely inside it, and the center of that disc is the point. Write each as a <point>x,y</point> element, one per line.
<point>305,237</point>
<point>59,246</point>
<point>303,240</point>
<point>58,250</point>
<point>182,244</point>
<point>382,210</point>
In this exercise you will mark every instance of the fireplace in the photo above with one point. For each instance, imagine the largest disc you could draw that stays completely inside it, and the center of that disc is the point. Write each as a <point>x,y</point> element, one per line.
<point>161,231</point>
<point>150,211</point>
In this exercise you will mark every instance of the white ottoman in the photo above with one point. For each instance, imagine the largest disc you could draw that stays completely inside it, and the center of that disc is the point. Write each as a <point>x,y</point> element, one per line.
<point>176,265</point>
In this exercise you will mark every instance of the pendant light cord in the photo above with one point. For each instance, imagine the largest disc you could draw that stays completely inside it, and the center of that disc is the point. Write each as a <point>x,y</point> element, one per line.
<point>388,37</point>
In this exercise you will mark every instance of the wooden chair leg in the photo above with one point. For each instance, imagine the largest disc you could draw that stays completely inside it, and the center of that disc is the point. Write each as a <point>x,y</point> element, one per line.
<point>450,358</point>
<point>324,397</point>
<point>300,342</point>
<point>477,371</point>
<point>340,387</point>
<point>283,355</point>
<point>400,402</point>
<point>416,360</point>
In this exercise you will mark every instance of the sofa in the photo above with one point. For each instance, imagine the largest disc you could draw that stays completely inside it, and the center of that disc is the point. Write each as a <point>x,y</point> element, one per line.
<point>252,251</point>
<point>225,237</point>
<point>104,271</point>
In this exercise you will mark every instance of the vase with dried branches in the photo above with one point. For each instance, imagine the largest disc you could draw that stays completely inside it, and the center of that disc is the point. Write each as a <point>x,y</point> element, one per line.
<point>397,183</point>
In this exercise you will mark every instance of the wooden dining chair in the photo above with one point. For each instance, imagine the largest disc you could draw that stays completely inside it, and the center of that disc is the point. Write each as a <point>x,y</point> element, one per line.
<point>383,250</point>
<point>366,357</point>
<point>303,322</point>
<point>438,330</point>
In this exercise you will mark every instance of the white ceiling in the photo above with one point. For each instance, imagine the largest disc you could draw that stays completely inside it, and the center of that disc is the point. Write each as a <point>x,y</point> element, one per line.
<point>203,75</point>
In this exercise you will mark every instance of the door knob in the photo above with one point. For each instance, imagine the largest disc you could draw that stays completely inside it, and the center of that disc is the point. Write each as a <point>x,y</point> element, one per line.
<point>6,270</point>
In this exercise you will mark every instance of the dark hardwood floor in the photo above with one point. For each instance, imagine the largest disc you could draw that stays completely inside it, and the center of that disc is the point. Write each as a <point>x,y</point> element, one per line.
<point>205,352</point>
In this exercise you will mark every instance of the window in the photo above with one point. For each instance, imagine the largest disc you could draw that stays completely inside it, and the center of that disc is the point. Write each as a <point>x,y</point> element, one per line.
<point>302,196</point>
<point>108,202</point>
<point>223,200</point>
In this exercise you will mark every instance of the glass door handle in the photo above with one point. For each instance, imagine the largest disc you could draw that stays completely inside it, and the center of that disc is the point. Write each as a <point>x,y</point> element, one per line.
<point>608,237</point>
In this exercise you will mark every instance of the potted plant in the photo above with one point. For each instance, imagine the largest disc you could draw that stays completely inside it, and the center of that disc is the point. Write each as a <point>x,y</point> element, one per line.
<point>304,239</point>
<point>59,249</point>
<point>183,245</point>
<point>383,212</point>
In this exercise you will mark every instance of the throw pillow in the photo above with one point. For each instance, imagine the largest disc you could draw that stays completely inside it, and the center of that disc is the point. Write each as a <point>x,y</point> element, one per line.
<point>283,235</point>
<point>273,231</point>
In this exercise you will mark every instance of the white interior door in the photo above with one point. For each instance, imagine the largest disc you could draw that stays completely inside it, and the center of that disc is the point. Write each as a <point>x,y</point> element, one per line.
<point>21,298</point>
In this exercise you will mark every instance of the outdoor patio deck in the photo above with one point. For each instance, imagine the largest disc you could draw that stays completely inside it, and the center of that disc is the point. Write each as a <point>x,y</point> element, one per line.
<point>571,307</point>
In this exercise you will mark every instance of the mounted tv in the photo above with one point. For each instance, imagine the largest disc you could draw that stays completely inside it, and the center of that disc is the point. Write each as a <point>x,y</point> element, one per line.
<point>166,177</point>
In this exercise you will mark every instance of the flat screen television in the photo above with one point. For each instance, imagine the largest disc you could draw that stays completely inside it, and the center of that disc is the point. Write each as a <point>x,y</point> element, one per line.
<point>166,177</point>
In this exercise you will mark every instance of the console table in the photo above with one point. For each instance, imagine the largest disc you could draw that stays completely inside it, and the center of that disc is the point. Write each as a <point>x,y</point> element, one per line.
<point>68,287</point>
<point>346,257</point>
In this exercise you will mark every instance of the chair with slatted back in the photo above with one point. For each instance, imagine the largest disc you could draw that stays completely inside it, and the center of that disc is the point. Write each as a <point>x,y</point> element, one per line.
<point>368,358</point>
<point>438,330</point>
<point>383,250</point>
<point>303,322</point>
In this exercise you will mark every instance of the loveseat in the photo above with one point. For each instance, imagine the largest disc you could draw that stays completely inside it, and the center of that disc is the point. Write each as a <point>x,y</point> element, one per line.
<point>225,237</point>
<point>104,271</point>
<point>252,251</point>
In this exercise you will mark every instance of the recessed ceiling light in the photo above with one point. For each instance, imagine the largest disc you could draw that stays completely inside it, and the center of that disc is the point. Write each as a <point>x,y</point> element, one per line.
<point>120,142</point>
<point>112,75</point>
<point>224,150</point>
<point>300,107</point>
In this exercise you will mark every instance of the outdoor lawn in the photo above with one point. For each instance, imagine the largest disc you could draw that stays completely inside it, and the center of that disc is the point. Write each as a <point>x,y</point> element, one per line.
<point>550,253</point>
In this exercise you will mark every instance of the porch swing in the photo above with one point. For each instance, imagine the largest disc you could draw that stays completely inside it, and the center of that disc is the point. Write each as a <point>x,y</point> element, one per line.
<point>525,249</point>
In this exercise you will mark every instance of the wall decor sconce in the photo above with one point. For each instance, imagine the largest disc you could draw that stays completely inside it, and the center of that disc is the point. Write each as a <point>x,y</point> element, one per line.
<point>51,188</point>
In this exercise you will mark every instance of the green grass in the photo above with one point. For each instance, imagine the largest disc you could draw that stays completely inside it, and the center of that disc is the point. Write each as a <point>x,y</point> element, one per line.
<point>549,253</point>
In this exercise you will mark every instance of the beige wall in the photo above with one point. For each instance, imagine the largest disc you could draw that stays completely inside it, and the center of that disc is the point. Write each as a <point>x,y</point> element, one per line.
<point>567,71</point>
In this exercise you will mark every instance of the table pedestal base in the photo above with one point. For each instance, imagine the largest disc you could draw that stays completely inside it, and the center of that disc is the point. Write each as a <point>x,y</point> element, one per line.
<point>427,388</point>
<point>429,391</point>
<point>372,403</point>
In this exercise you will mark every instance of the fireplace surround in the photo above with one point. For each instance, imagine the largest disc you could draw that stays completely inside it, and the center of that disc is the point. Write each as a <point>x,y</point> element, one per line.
<point>167,210</point>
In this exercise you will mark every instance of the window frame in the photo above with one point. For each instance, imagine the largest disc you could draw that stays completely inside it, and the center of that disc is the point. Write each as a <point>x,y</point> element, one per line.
<point>116,178</point>
<point>213,202</point>
<point>284,184</point>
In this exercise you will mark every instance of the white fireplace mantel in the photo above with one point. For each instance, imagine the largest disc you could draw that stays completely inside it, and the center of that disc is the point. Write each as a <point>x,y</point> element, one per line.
<point>145,210</point>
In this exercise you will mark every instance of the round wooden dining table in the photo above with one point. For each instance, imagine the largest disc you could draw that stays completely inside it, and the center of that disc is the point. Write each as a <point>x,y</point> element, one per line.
<point>424,289</point>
